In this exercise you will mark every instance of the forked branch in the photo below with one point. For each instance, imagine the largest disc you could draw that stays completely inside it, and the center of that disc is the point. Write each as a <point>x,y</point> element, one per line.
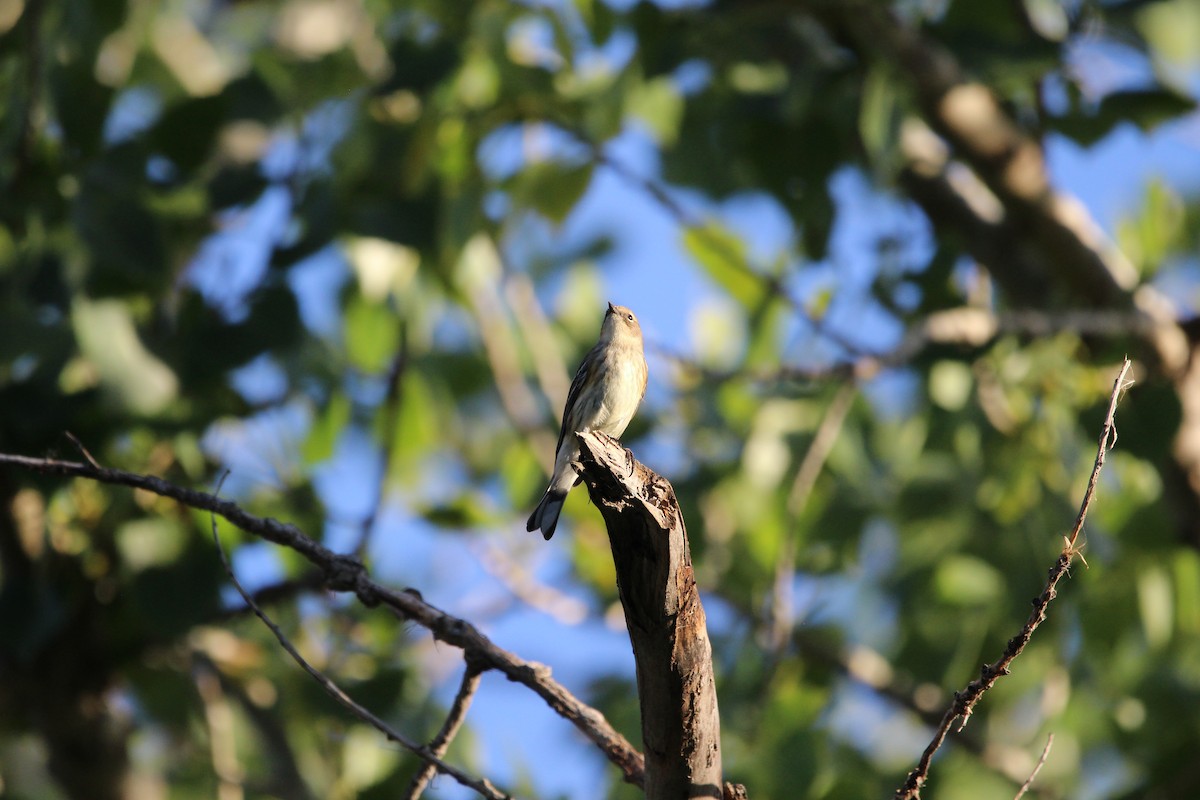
<point>346,574</point>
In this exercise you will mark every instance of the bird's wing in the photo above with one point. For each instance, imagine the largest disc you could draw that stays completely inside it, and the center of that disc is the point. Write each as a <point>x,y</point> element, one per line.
<point>591,362</point>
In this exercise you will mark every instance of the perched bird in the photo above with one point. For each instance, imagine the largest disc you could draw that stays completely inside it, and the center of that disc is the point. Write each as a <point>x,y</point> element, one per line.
<point>604,396</point>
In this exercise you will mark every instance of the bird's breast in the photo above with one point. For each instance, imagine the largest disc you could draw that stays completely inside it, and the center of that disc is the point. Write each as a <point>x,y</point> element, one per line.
<point>622,392</point>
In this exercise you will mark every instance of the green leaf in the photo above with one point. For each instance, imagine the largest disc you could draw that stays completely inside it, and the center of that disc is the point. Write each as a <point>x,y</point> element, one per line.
<point>1150,237</point>
<point>968,581</point>
<point>465,511</point>
<point>372,333</point>
<point>1146,108</point>
<point>130,374</point>
<point>950,384</point>
<point>658,104</point>
<point>420,418</point>
<point>551,188</point>
<point>1156,604</point>
<point>876,120</point>
<point>722,254</point>
<point>150,542</point>
<point>323,436</point>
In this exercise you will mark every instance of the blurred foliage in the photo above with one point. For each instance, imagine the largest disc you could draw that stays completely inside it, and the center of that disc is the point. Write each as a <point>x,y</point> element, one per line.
<point>254,234</point>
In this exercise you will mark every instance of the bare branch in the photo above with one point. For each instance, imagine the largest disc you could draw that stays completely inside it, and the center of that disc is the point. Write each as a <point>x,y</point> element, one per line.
<point>665,620</point>
<point>966,700</point>
<point>1108,440</point>
<point>480,785</point>
<point>454,721</point>
<point>277,592</point>
<point>1036,769</point>
<point>346,574</point>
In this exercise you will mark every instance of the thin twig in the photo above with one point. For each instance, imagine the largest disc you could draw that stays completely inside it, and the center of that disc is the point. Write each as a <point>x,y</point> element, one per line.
<point>454,721</point>
<point>278,592</point>
<point>346,574</point>
<point>480,785</point>
<point>83,450</point>
<point>1108,439</point>
<point>965,701</point>
<point>1036,769</point>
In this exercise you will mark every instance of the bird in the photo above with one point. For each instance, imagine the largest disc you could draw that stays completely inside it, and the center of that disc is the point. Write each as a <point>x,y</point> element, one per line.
<point>604,396</point>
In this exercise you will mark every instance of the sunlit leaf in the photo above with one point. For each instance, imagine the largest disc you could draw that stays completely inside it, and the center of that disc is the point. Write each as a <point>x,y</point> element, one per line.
<point>724,258</point>
<point>326,429</point>
<point>967,581</point>
<point>657,105</point>
<point>130,374</point>
<point>372,334</point>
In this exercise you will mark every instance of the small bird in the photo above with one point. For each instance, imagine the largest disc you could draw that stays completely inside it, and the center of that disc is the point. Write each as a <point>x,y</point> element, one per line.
<point>606,393</point>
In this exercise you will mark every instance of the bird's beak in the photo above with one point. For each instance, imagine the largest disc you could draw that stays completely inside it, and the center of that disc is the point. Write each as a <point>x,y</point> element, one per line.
<point>611,308</point>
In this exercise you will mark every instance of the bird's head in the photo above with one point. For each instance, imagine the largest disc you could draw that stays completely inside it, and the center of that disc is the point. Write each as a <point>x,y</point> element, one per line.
<point>620,323</point>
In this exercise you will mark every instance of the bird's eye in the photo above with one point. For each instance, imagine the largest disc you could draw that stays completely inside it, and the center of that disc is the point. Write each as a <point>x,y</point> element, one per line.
<point>629,317</point>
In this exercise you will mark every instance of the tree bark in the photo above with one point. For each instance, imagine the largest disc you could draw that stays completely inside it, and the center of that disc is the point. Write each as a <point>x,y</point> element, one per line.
<point>680,724</point>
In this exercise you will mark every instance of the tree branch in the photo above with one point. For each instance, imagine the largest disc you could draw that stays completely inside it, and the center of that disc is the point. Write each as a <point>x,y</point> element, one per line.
<point>454,721</point>
<point>1041,762</point>
<point>345,574</point>
<point>666,622</point>
<point>480,785</point>
<point>966,700</point>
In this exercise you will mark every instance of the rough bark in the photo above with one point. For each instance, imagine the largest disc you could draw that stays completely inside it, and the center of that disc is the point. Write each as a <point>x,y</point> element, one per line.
<point>676,691</point>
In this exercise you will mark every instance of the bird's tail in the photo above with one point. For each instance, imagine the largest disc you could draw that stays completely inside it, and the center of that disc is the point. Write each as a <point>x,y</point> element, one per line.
<point>545,516</point>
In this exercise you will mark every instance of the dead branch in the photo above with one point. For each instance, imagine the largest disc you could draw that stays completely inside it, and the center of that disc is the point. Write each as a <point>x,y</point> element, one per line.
<point>966,700</point>
<point>676,690</point>
<point>1041,762</point>
<point>480,785</point>
<point>345,574</point>
<point>454,721</point>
